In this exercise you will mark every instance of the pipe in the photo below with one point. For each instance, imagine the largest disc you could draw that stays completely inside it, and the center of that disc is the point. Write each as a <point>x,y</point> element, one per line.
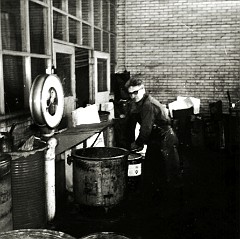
<point>50,179</point>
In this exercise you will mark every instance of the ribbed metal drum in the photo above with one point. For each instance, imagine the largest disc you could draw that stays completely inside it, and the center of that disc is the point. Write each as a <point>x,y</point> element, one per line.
<point>5,194</point>
<point>99,176</point>
<point>104,235</point>
<point>34,234</point>
<point>28,187</point>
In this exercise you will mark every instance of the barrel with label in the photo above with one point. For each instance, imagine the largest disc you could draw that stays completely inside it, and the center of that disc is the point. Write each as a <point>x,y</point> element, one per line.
<point>134,171</point>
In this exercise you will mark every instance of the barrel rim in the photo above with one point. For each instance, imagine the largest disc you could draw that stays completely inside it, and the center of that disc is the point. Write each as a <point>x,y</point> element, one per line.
<point>125,153</point>
<point>34,232</point>
<point>40,146</point>
<point>138,156</point>
<point>89,236</point>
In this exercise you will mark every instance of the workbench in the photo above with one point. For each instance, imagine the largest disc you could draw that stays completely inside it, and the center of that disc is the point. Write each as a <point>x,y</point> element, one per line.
<point>72,137</point>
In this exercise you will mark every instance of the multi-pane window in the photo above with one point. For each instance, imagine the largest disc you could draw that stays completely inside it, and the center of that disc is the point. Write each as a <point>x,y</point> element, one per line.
<point>25,50</point>
<point>29,30</point>
<point>73,21</point>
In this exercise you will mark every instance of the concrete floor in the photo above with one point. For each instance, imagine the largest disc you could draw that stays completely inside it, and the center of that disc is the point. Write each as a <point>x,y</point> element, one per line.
<point>206,207</point>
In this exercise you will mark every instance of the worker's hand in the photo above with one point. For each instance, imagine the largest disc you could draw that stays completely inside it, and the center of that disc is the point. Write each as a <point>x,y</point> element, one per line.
<point>135,147</point>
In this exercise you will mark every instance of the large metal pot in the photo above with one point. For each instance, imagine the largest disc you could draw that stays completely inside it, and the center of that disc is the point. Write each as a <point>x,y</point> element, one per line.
<point>100,176</point>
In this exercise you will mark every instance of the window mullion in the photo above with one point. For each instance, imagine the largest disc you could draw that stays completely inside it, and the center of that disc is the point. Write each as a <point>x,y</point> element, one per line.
<point>25,26</point>
<point>101,22</point>
<point>27,79</point>
<point>24,8</point>
<point>2,106</point>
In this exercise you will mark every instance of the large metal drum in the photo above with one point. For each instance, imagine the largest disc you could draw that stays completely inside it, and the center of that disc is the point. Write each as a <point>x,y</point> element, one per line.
<point>5,194</point>
<point>99,176</point>
<point>34,234</point>
<point>28,187</point>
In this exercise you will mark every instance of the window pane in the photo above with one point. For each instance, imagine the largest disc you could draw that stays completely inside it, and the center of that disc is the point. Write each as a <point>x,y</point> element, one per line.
<point>86,10</point>
<point>59,26</point>
<point>63,71</point>
<point>11,25</point>
<point>36,22</point>
<point>105,42</point>
<point>82,76</point>
<point>97,40</point>
<point>102,75</point>
<point>86,34</point>
<point>112,18</point>
<point>105,13</point>
<point>13,83</point>
<point>72,7</point>
<point>38,67</point>
<point>73,31</point>
<point>97,13</point>
<point>113,48</point>
<point>57,4</point>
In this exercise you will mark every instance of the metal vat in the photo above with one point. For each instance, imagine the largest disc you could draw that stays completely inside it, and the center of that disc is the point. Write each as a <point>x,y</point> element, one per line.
<point>99,176</point>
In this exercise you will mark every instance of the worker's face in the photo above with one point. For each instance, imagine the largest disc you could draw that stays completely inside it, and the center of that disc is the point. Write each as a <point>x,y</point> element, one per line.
<point>136,93</point>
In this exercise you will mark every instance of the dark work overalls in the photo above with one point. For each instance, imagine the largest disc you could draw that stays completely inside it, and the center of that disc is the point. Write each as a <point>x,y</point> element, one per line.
<point>161,168</point>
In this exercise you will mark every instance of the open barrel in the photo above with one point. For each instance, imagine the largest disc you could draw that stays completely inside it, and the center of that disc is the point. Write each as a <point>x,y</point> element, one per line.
<point>100,176</point>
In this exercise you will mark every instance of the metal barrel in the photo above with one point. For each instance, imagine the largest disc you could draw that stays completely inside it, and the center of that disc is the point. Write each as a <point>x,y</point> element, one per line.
<point>28,188</point>
<point>99,176</point>
<point>6,223</point>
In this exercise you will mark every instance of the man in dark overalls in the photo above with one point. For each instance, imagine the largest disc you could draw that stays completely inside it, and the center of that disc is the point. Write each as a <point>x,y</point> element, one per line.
<point>161,163</point>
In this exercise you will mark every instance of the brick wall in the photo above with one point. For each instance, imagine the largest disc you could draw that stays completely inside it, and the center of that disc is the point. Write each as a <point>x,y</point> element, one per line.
<point>182,47</point>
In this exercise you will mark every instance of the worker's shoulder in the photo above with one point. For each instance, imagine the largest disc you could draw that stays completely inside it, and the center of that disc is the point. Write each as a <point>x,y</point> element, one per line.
<point>153,100</point>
